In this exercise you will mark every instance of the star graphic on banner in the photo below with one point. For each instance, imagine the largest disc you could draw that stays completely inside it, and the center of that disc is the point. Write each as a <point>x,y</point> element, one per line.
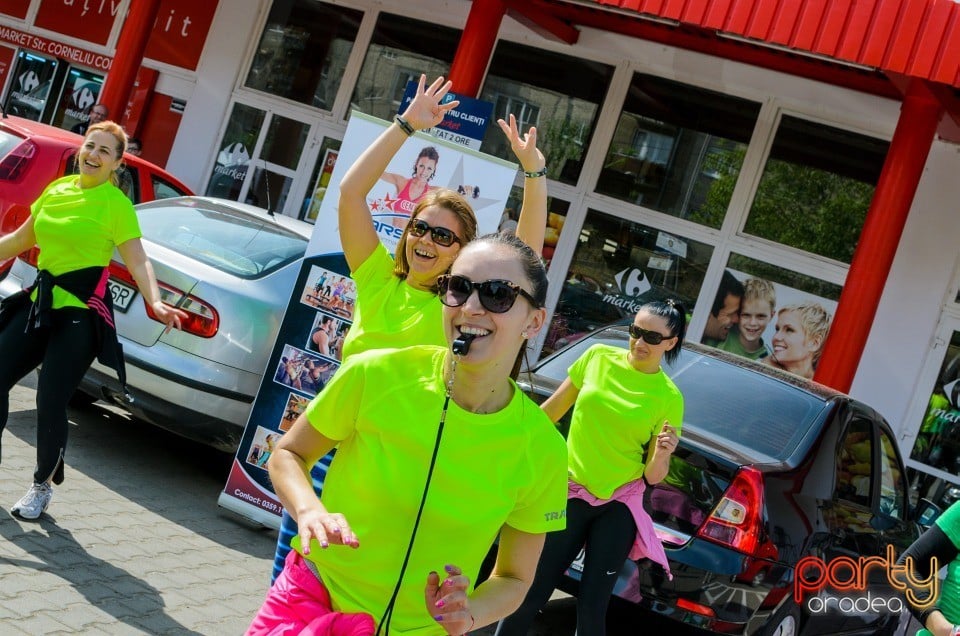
<point>375,205</point>
<point>458,179</point>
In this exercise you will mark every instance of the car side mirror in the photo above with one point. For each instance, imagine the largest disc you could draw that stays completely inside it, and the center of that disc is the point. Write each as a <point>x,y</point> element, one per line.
<point>926,512</point>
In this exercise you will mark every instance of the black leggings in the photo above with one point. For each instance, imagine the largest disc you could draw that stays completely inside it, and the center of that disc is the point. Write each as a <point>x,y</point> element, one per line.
<point>607,532</point>
<point>65,350</point>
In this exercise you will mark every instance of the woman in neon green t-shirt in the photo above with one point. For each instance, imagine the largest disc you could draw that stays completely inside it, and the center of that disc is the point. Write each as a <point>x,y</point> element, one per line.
<point>626,421</point>
<point>437,455</point>
<point>66,319</point>
<point>397,304</point>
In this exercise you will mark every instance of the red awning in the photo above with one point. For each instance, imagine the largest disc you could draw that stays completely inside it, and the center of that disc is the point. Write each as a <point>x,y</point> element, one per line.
<point>916,38</point>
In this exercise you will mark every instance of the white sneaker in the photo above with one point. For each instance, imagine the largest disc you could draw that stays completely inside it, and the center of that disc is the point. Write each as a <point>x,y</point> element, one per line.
<point>32,504</point>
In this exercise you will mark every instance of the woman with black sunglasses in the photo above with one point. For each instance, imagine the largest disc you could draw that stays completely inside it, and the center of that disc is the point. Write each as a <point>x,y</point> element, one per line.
<point>437,455</point>
<point>622,401</point>
<point>397,304</point>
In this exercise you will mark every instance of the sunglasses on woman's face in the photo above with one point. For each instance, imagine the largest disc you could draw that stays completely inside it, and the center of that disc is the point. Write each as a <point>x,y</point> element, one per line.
<point>496,296</point>
<point>440,235</point>
<point>650,337</point>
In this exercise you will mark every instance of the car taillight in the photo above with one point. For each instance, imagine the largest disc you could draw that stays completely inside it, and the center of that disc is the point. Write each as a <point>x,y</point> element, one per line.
<point>202,319</point>
<point>736,520</point>
<point>15,163</point>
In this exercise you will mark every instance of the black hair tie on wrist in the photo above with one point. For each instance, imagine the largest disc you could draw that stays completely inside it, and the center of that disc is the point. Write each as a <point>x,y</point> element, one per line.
<point>404,125</point>
<point>533,175</point>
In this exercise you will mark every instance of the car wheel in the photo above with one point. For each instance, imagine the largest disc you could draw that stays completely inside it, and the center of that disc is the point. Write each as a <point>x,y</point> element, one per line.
<point>784,622</point>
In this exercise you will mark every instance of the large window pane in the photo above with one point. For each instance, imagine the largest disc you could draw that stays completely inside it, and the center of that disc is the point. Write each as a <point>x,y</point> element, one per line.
<point>616,267</point>
<point>303,50</point>
<point>400,50</point>
<point>765,312</point>
<point>816,188</point>
<point>678,149</point>
<point>236,147</point>
<point>559,94</point>
<point>556,216</point>
<point>938,441</point>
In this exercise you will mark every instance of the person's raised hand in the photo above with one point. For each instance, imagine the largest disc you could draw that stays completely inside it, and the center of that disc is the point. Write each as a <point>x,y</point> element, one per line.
<point>447,600</point>
<point>426,109</point>
<point>328,528</point>
<point>524,146</point>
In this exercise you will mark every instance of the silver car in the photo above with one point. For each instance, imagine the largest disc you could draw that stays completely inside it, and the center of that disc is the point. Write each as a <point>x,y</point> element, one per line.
<point>231,267</point>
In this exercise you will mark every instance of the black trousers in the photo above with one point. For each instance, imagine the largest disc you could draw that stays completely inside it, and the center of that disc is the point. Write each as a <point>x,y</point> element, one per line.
<point>607,532</point>
<point>65,350</point>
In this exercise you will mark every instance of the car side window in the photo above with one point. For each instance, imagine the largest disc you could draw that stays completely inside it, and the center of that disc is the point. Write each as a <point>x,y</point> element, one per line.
<point>127,175</point>
<point>163,189</point>
<point>130,182</point>
<point>893,494</point>
<point>854,461</point>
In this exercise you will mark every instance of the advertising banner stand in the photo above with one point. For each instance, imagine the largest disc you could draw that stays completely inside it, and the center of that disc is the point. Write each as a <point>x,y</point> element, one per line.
<point>303,360</point>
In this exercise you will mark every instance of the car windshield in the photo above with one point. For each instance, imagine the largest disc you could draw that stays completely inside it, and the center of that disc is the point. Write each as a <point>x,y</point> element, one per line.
<point>725,401</point>
<point>230,241</point>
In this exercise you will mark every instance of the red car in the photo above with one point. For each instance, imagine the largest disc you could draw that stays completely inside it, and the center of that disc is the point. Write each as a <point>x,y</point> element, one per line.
<point>33,154</point>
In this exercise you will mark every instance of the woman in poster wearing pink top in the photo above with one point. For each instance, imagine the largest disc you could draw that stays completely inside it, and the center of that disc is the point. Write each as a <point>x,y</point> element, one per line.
<point>410,190</point>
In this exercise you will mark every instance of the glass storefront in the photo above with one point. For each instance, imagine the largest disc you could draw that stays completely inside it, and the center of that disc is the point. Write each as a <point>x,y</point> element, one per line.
<point>31,84</point>
<point>303,51</point>
<point>678,149</point>
<point>559,94</point>
<point>400,50</point>
<point>617,266</point>
<point>816,188</point>
<point>236,147</point>
<point>938,442</point>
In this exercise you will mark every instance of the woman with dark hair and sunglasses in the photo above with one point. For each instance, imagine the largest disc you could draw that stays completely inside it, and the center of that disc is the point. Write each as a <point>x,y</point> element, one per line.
<point>397,304</point>
<point>626,423</point>
<point>438,454</point>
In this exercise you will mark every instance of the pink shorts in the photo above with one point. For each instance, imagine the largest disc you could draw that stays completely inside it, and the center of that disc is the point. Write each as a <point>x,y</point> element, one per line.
<point>298,603</point>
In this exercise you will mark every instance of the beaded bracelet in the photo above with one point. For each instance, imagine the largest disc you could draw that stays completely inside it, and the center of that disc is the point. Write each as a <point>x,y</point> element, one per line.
<point>533,175</point>
<point>404,125</point>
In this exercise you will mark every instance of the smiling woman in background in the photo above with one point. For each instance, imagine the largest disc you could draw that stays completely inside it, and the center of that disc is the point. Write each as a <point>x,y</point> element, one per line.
<point>66,317</point>
<point>797,343</point>
<point>626,424</point>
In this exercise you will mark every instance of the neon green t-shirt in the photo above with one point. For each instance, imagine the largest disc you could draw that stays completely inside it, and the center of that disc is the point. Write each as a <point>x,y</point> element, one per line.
<point>80,227</point>
<point>500,468</point>
<point>390,313</point>
<point>616,413</point>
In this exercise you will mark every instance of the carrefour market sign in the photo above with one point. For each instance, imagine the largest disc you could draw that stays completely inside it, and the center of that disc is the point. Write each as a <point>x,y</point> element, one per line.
<point>56,49</point>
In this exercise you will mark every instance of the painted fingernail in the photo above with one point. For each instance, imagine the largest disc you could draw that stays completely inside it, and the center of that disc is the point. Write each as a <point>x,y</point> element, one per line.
<point>324,544</point>
<point>448,568</point>
<point>438,618</point>
<point>335,529</point>
<point>448,582</point>
<point>440,603</point>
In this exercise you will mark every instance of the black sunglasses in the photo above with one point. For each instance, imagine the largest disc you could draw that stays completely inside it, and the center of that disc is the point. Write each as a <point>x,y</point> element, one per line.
<point>496,296</point>
<point>650,337</point>
<point>440,235</point>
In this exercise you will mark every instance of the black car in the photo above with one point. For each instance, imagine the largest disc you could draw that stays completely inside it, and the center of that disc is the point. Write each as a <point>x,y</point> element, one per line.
<point>771,469</point>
